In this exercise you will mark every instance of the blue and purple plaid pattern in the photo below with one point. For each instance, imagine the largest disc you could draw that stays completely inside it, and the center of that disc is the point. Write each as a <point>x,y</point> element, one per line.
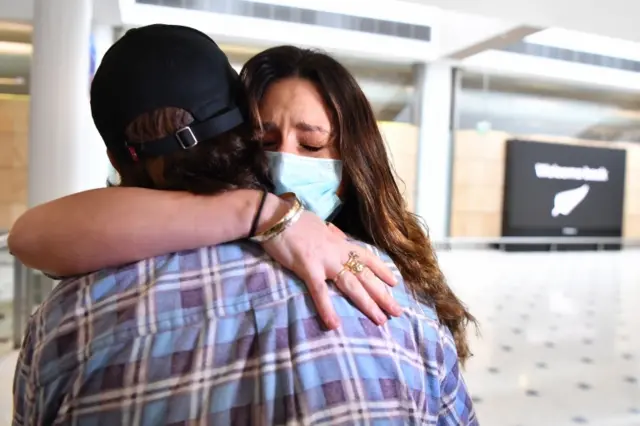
<point>223,336</point>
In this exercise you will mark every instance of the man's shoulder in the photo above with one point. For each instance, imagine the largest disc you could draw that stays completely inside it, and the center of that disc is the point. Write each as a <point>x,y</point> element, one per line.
<point>216,281</point>
<point>232,257</point>
<point>223,278</point>
<point>218,275</point>
<point>155,295</point>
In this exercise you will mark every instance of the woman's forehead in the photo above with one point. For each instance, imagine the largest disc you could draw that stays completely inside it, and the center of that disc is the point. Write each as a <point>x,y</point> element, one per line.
<point>294,99</point>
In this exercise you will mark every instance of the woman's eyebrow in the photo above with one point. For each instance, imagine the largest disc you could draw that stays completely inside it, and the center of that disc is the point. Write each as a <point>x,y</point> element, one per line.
<point>301,125</point>
<point>306,127</point>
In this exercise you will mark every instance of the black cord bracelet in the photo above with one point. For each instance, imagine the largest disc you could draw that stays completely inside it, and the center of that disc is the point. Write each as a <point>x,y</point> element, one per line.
<point>256,219</point>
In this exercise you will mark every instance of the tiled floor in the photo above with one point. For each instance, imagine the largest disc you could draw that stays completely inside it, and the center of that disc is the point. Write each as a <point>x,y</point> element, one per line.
<point>560,344</point>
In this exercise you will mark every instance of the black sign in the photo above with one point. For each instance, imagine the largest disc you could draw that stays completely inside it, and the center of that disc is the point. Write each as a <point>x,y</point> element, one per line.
<point>563,189</point>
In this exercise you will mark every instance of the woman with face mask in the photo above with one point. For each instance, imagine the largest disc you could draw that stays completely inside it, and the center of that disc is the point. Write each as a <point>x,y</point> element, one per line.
<point>323,144</point>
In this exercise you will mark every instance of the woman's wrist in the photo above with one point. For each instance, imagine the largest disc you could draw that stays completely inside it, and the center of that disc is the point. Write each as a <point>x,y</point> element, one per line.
<point>275,208</point>
<point>289,218</point>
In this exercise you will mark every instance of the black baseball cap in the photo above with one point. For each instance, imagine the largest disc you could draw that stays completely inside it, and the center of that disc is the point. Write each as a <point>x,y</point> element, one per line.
<point>161,66</point>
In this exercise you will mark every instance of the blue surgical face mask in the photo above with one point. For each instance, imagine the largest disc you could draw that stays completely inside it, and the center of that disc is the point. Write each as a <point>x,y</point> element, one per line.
<point>314,180</point>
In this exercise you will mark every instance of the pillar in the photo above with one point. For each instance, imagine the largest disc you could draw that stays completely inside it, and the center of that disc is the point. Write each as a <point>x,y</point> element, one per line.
<point>433,116</point>
<point>63,156</point>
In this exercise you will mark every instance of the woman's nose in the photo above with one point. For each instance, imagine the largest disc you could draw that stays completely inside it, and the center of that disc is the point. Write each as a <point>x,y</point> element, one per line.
<point>289,144</point>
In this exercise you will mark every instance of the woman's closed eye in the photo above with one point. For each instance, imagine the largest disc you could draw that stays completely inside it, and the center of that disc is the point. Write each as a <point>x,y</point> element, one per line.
<point>310,147</point>
<point>273,144</point>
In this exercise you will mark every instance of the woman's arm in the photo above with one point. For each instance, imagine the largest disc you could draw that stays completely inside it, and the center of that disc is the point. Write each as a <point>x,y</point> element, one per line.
<point>106,227</point>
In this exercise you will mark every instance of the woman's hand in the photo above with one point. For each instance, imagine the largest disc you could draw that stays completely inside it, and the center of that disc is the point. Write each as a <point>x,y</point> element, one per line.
<point>316,253</point>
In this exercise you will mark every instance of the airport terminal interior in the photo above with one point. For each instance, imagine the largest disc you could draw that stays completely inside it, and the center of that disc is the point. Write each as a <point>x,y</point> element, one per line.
<point>514,133</point>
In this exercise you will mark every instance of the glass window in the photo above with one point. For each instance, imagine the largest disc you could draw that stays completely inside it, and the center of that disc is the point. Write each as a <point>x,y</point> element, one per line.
<point>520,106</point>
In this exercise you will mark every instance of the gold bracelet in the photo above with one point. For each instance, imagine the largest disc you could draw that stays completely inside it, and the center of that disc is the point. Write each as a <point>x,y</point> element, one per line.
<point>285,222</point>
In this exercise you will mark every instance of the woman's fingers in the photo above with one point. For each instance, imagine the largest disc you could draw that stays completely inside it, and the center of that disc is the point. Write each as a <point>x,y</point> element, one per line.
<point>376,265</point>
<point>353,290</point>
<point>378,291</point>
<point>319,291</point>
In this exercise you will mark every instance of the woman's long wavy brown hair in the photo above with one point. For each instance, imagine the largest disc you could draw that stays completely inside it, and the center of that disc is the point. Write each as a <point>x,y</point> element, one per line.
<point>374,210</point>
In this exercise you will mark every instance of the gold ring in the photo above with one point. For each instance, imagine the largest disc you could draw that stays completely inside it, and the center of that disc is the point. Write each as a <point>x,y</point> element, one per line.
<point>353,264</point>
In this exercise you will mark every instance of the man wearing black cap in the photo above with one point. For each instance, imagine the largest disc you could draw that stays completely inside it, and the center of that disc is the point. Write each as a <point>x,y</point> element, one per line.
<point>154,342</point>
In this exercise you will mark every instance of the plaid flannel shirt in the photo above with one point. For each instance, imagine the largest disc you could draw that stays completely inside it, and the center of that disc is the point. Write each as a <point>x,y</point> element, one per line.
<point>224,336</point>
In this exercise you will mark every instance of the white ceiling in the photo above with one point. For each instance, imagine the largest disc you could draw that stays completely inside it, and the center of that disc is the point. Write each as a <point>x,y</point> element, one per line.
<point>464,26</point>
<point>612,18</point>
